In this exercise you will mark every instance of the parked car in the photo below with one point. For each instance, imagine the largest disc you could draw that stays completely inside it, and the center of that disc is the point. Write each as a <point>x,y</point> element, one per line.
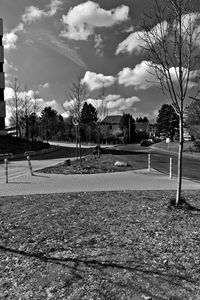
<point>146,142</point>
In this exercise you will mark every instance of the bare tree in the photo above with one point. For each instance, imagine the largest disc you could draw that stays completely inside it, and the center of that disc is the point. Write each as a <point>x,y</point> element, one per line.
<point>76,98</point>
<point>27,110</point>
<point>101,114</point>
<point>36,108</point>
<point>15,103</point>
<point>170,36</point>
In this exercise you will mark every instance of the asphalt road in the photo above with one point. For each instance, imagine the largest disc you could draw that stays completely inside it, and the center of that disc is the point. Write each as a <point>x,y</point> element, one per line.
<point>135,154</point>
<point>161,160</point>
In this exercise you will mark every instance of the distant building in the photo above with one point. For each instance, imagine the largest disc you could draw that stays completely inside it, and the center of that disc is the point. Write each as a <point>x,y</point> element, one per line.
<point>2,83</point>
<point>146,127</point>
<point>110,128</point>
<point>142,127</point>
<point>110,125</point>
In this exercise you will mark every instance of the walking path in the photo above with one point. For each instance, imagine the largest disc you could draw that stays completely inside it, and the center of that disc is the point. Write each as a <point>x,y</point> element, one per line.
<point>42,183</point>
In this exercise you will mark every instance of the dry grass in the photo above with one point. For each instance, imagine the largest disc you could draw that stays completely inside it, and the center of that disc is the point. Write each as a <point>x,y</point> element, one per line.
<point>102,245</point>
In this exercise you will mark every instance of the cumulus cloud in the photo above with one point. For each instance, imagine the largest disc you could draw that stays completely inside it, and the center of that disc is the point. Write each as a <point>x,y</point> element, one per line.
<point>136,41</point>
<point>33,13</point>
<point>82,19</point>
<point>8,93</point>
<point>97,81</point>
<point>132,43</point>
<point>140,77</point>
<point>54,6</point>
<point>146,74</point>
<point>116,104</point>
<point>10,39</point>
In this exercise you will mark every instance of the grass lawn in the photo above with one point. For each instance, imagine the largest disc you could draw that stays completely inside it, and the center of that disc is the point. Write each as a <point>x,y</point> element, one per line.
<point>100,245</point>
<point>173,146</point>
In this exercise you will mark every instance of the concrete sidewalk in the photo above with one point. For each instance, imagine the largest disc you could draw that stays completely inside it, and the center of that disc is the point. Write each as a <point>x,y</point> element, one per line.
<point>42,183</point>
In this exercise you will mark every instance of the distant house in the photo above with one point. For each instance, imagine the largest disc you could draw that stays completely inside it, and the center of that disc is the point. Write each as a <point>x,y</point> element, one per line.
<point>110,126</point>
<point>143,125</point>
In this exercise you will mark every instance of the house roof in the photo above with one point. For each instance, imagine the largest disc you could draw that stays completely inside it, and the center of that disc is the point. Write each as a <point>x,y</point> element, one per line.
<point>111,120</point>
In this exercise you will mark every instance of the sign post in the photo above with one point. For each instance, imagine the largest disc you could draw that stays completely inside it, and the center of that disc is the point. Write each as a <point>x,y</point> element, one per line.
<point>75,121</point>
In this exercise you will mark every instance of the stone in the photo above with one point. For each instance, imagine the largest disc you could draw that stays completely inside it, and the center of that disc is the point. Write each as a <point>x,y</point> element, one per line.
<point>120,164</point>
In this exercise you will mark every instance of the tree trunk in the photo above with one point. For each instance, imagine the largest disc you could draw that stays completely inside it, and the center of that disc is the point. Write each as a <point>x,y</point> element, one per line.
<point>79,135</point>
<point>180,158</point>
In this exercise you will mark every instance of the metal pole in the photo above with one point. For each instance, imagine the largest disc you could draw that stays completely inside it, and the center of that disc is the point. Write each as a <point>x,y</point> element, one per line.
<point>6,169</point>
<point>149,162</point>
<point>29,164</point>
<point>76,142</point>
<point>170,168</point>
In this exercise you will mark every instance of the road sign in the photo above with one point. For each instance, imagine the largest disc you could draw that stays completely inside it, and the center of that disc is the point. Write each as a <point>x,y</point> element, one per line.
<point>75,121</point>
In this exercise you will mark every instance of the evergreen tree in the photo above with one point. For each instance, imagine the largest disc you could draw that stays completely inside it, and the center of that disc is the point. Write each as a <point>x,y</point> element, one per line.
<point>145,120</point>
<point>167,120</point>
<point>88,114</point>
<point>88,122</point>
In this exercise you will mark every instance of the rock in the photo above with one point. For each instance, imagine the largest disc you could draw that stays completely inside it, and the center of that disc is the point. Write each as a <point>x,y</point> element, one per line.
<point>146,297</point>
<point>120,164</point>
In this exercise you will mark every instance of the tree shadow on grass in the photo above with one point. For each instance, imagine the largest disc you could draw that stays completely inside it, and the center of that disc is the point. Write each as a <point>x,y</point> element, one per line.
<point>182,205</point>
<point>91,262</point>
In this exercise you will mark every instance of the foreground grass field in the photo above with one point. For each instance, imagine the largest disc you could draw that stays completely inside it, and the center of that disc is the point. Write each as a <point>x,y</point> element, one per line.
<point>102,245</point>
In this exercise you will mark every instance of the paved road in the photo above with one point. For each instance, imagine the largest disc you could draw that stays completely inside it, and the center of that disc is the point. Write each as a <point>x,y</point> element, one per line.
<point>160,160</point>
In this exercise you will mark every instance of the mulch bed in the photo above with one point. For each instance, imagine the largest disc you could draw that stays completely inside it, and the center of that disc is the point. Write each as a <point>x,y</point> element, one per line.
<point>93,165</point>
<point>99,245</point>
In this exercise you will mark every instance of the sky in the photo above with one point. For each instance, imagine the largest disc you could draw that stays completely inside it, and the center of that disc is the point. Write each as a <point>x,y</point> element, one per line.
<point>49,44</point>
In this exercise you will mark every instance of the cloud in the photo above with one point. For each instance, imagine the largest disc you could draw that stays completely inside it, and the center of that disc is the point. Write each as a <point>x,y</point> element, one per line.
<point>59,46</point>
<point>54,6</point>
<point>145,75</point>
<point>98,46</point>
<point>10,39</point>
<point>132,43</point>
<point>116,104</point>
<point>137,41</point>
<point>97,81</point>
<point>129,29</point>
<point>82,19</point>
<point>45,85</point>
<point>33,13</point>
<point>9,70</point>
<point>8,93</point>
<point>140,77</point>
